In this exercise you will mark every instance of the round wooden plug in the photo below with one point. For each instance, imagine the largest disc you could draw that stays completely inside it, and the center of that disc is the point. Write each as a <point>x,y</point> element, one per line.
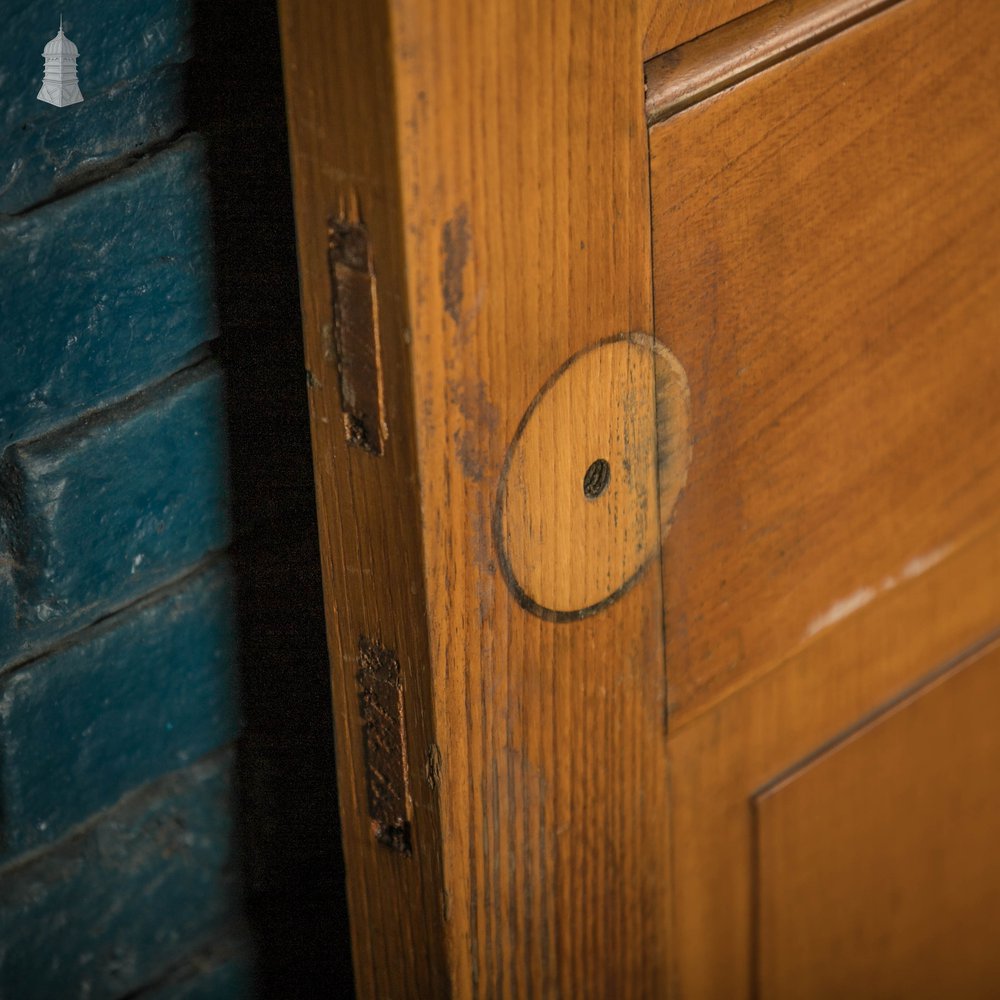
<point>591,477</point>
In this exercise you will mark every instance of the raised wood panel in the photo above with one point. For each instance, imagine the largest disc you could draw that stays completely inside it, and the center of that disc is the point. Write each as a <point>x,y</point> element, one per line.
<point>824,250</point>
<point>722,758</point>
<point>878,868</point>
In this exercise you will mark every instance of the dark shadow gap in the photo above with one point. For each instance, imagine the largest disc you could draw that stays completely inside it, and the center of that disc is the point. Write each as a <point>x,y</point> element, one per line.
<point>290,835</point>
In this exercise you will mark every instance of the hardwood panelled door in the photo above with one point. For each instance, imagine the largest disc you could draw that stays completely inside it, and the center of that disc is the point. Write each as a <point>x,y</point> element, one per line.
<point>653,350</point>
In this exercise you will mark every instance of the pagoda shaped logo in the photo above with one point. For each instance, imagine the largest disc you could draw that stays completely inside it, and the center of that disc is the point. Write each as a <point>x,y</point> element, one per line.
<point>59,85</point>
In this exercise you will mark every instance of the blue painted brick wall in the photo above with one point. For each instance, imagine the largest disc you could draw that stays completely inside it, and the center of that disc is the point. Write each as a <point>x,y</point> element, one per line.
<point>149,690</point>
<point>214,975</point>
<point>103,911</point>
<point>96,513</point>
<point>131,68</point>
<point>104,291</point>
<point>119,869</point>
<point>52,154</point>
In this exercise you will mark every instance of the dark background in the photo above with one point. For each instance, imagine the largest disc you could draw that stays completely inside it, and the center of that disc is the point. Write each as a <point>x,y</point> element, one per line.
<point>286,772</point>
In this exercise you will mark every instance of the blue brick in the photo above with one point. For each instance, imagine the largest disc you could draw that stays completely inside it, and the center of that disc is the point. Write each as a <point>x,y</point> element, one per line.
<point>118,40</point>
<point>96,515</point>
<point>48,155</point>
<point>104,291</point>
<point>113,906</point>
<point>145,692</point>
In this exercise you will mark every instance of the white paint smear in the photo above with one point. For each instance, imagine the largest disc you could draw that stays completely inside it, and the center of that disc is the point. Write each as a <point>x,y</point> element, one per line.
<point>854,602</point>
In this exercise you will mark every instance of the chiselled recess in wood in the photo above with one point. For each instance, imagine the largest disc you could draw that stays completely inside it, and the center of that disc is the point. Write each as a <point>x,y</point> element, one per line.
<point>380,700</point>
<point>591,477</point>
<point>354,342</point>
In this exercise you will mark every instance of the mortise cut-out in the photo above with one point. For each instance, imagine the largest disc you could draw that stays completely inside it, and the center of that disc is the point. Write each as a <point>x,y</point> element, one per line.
<point>380,699</point>
<point>354,344</point>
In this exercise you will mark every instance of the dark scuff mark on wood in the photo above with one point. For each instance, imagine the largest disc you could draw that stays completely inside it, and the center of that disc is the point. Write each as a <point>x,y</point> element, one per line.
<point>455,241</point>
<point>353,340</point>
<point>380,699</point>
<point>480,420</point>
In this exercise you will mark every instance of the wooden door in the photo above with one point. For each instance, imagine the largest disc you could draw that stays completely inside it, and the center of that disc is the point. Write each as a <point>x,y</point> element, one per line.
<point>652,353</point>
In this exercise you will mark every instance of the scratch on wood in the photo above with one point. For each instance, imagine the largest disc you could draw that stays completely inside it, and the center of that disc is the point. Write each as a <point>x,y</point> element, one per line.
<point>432,766</point>
<point>380,697</point>
<point>455,254</point>
<point>841,609</point>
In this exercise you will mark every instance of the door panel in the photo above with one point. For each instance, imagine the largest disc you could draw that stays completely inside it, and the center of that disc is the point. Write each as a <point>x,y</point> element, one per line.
<point>824,268</point>
<point>877,860</point>
<point>824,250</point>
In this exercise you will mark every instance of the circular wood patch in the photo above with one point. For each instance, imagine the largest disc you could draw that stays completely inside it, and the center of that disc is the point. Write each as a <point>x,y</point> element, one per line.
<point>591,477</point>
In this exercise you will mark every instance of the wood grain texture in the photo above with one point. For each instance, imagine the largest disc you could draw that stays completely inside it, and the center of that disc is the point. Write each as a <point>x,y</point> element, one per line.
<point>877,861</point>
<point>736,50</point>
<point>672,22</point>
<point>722,758</point>
<point>498,155</point>
<point>825,270</point>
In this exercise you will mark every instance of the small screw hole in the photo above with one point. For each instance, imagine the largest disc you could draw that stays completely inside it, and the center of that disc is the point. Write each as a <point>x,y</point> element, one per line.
<point>596,479</point>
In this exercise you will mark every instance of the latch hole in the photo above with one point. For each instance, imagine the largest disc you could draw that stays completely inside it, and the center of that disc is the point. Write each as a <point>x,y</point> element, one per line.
<point>596,478</point>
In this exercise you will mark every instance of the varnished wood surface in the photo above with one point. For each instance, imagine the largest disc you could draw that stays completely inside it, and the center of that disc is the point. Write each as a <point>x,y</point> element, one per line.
<point>496,155</point>
<point>825,270</point>
<point>721,58</point>
<point>877,868</point>
<point>722,759</point>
